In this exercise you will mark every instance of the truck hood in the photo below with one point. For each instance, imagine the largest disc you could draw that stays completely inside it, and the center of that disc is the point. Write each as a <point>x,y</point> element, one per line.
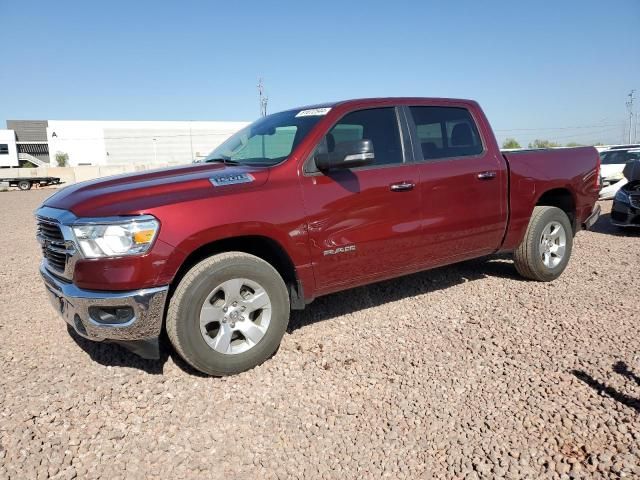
<point>136,193</point>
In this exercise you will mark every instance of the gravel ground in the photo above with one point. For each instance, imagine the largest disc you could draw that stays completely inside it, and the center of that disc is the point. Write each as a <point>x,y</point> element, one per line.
<point>461,372</point>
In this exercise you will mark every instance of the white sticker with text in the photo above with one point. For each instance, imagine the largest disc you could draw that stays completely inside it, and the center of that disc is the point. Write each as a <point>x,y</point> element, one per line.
<point>314,112</point>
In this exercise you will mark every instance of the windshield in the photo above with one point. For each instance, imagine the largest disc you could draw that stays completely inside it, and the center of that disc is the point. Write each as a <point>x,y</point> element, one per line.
<point>266,141</point>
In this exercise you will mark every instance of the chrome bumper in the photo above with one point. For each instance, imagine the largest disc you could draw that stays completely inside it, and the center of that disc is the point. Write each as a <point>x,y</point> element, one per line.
<point>73,304</point>
<point>593,218</point>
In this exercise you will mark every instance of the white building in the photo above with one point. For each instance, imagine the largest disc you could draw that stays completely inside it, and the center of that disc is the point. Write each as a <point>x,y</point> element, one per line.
<point>97,142</point>
<point>8,149</point>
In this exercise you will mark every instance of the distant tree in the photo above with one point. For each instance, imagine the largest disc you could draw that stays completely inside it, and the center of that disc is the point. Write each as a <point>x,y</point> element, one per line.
<point>574,144</point>
<point>537,143</point>
<point>62,159</point>
<point>510,143</point>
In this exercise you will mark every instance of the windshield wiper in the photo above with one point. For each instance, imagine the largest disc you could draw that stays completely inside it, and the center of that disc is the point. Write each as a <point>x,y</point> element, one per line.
<point>226,161</point>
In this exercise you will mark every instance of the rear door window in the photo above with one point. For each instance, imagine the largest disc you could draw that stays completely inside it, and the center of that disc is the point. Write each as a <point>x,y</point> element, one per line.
<point>446,132</point>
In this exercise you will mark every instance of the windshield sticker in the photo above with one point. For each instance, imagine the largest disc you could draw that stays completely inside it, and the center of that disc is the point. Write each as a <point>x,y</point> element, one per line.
<point>222,180</point>
<point>314,112</point>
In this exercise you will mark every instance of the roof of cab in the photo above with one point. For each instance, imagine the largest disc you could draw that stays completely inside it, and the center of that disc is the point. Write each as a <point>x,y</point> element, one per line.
<point>380,100</point>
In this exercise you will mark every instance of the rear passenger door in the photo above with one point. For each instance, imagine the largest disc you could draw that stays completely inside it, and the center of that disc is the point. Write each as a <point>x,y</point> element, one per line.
<point>363,223</point>
<point>462,184</point>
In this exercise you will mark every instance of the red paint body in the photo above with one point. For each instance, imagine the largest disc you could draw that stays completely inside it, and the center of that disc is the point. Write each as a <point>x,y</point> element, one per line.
<point>450,216</point>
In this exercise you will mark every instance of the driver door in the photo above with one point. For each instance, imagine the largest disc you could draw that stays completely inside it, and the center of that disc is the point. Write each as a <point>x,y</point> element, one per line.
<point>364,222</point>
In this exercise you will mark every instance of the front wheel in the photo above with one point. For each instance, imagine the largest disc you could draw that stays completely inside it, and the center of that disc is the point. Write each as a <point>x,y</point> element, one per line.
<point>228,314</point>
<point>546,248</point>
<point>24,185</point>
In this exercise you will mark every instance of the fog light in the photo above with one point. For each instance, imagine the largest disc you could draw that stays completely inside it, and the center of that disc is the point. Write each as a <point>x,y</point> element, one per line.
<point>111,315</point>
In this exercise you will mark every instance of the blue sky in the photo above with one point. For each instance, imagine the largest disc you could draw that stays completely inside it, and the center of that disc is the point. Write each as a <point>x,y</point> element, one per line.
<point>537,68</point>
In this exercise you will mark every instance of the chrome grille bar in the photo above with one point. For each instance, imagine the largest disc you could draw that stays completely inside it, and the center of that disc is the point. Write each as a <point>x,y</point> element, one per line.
<point>53,244</point>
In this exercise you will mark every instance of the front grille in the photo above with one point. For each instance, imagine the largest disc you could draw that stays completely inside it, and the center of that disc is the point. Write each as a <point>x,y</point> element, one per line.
<point>50,231</point>
<point>53,245</point>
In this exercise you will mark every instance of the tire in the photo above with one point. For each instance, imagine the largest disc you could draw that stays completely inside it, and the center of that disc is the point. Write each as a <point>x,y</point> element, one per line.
<point>534,258</point>
<point>24,185</point>
<point>196,343</point>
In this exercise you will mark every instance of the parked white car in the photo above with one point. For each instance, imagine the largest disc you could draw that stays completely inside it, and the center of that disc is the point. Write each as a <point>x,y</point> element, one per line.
<point>612,163</point>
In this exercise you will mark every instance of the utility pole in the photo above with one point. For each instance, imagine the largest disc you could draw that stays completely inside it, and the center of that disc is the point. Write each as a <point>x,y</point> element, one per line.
<point>191,138</point>
<point>263,99</point>
<point>629,105</point>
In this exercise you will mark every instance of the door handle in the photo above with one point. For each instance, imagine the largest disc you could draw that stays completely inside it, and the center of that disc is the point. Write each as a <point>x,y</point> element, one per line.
<point>486,175</point>
<point>402,186</point>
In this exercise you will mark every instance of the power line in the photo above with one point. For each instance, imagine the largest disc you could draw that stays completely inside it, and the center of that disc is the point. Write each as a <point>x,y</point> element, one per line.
<point>557,128</point>
<point>603,132</point>
<point>566,134</point>
<point>606,131</point>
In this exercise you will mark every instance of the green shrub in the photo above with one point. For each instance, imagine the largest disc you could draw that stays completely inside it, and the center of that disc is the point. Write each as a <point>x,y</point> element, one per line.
<point>62,159</point>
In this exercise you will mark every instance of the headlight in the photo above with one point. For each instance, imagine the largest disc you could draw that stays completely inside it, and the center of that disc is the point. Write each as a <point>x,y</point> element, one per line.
<point>130,237</point>
<point>621,196</point>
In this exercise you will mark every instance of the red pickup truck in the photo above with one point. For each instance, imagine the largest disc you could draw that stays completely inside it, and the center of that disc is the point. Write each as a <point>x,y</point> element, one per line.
<point>300,204</point>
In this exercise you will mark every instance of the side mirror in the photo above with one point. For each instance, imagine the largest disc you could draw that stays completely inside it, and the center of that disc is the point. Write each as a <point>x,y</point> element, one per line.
<point>355,153</point>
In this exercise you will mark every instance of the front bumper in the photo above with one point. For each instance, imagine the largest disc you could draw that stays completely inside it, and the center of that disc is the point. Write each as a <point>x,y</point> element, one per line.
<point>73,304</point>
<point>625,214</point>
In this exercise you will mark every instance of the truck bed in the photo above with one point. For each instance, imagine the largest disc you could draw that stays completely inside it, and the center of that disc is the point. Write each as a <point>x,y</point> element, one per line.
<point>571,172</point>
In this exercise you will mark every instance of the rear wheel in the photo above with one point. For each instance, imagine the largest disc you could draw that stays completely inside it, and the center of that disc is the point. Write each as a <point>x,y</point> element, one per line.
<point>546,248</point>
<point>24,185</point>
<point>228,314</point>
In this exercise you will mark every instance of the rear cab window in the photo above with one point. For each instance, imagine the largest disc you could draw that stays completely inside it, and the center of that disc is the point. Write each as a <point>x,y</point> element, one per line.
<point>445,132</point>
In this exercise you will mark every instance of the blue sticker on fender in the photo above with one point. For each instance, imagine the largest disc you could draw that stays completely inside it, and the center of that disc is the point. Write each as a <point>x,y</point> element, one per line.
<point>222,180</point>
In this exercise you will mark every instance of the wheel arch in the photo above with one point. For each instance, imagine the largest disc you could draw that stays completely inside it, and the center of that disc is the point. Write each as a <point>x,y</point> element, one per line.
<point>563,199</point>
<point>266,248</point>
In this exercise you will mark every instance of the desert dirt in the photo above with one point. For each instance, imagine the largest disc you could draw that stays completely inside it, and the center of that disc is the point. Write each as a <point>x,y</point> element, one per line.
<point>466,371</point>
